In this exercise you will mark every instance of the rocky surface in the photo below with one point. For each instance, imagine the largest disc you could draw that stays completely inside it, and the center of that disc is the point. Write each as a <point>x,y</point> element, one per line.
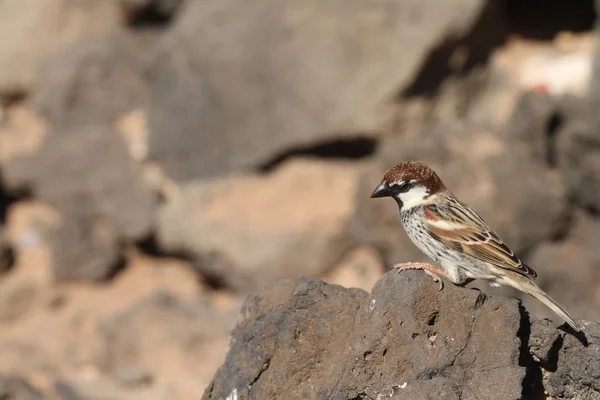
<point>406,339</point>
<point>95,79</point>
<point>285,78</point>
<point>159,159</point>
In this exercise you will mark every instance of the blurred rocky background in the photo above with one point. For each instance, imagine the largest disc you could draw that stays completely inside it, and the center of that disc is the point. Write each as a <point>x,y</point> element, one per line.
<point>162,159</point>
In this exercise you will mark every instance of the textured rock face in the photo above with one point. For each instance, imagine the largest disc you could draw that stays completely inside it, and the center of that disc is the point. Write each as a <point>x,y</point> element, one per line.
<point>406,339</point>
<point>253,79</point>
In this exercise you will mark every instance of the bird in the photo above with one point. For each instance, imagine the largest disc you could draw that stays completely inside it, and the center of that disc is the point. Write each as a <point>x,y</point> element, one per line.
<point>450,233</point>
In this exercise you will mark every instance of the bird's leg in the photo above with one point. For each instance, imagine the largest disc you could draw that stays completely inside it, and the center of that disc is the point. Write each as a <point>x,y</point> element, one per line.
<point>429,269</point>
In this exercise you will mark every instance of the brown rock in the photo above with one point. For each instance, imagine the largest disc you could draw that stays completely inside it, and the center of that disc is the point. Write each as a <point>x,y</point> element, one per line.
<point>360,268</point>
<point>242,229</point>
<point>161,333</point>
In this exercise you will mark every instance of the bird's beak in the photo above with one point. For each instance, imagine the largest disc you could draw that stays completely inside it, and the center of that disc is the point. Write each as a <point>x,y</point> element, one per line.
<point>382,190</point>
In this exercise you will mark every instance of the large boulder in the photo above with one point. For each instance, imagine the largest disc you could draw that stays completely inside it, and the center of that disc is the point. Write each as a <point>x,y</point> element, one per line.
<point>308,339</point>
<point>240,230</point>
<point>235,84</point>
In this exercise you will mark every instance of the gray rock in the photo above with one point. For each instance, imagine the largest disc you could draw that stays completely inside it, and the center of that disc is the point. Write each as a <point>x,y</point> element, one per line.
<point>235,84</point>
<point>313,340</point>
<point>93,80</point>
<point>240,230</point>
<point>37,29</point>
<point>579,162</point>
<point>84,249</point>
<point>577,371</point>
<point>86,172</point>
<point>569,269</point>
<point>544,341</point>
<point>499,180</point>
<point>16,388</point>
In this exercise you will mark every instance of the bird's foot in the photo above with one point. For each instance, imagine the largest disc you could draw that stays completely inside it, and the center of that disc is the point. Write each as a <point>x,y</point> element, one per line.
<point>429,269</point>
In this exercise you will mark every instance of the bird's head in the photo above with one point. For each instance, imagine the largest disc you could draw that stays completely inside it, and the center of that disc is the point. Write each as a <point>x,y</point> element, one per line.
<point>410,183</point>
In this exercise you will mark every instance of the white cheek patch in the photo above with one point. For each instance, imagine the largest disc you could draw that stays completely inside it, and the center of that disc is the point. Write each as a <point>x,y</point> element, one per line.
<point>413,197</point>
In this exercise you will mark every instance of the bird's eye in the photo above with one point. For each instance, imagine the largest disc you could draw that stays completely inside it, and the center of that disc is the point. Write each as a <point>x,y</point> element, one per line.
<point>402,187</point>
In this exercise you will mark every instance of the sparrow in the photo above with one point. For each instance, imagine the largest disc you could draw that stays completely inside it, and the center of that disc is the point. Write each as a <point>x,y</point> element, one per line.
<point>453,235</point>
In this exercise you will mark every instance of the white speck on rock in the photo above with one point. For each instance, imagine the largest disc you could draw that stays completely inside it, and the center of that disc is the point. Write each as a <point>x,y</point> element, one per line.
<point>372,306</point>
<point>233,395</point>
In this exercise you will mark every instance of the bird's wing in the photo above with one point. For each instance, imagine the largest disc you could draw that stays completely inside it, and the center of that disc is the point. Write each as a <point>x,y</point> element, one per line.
<point>458,227</point>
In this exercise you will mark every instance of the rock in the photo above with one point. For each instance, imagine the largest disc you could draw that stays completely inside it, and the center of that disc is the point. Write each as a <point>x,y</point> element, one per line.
<point>568,270</point>
<point>166,337</point>
<point>84,249</point>
<point>576,374</point>
<point>499,180</point>
<point>544,340</point>
<point>234,84</point>
<point>93,80</point>
<point>86,169</point>
<point>242,229</point>
<point>15,388</point>
<point>360,268</point>
<point>308,339</point>
<point>16,299</point>
<point>578,146</point>
<point>37,30</point>
<point>86,173</point>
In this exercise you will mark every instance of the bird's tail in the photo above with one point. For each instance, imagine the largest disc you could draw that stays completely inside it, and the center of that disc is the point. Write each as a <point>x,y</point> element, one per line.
<point>525,285</point>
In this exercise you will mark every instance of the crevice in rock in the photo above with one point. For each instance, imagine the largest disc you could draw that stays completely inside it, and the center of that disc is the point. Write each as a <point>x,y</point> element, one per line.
<point>460,55</point>
<point>149,16</point>
<point>149,246</point>
<point>533,387</point>
<point>265,366</point>
<point>554,123</point>
<point>543,19</point>
<point>12,98</point>
<point>6,199</point>
<point>350,149</point>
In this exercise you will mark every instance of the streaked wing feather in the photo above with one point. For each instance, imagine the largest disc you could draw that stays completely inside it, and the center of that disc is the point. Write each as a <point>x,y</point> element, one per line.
<point>471,236</point>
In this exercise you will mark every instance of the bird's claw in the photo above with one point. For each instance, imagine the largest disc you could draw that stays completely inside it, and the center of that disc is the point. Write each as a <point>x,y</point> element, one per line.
<point>427,268</point>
